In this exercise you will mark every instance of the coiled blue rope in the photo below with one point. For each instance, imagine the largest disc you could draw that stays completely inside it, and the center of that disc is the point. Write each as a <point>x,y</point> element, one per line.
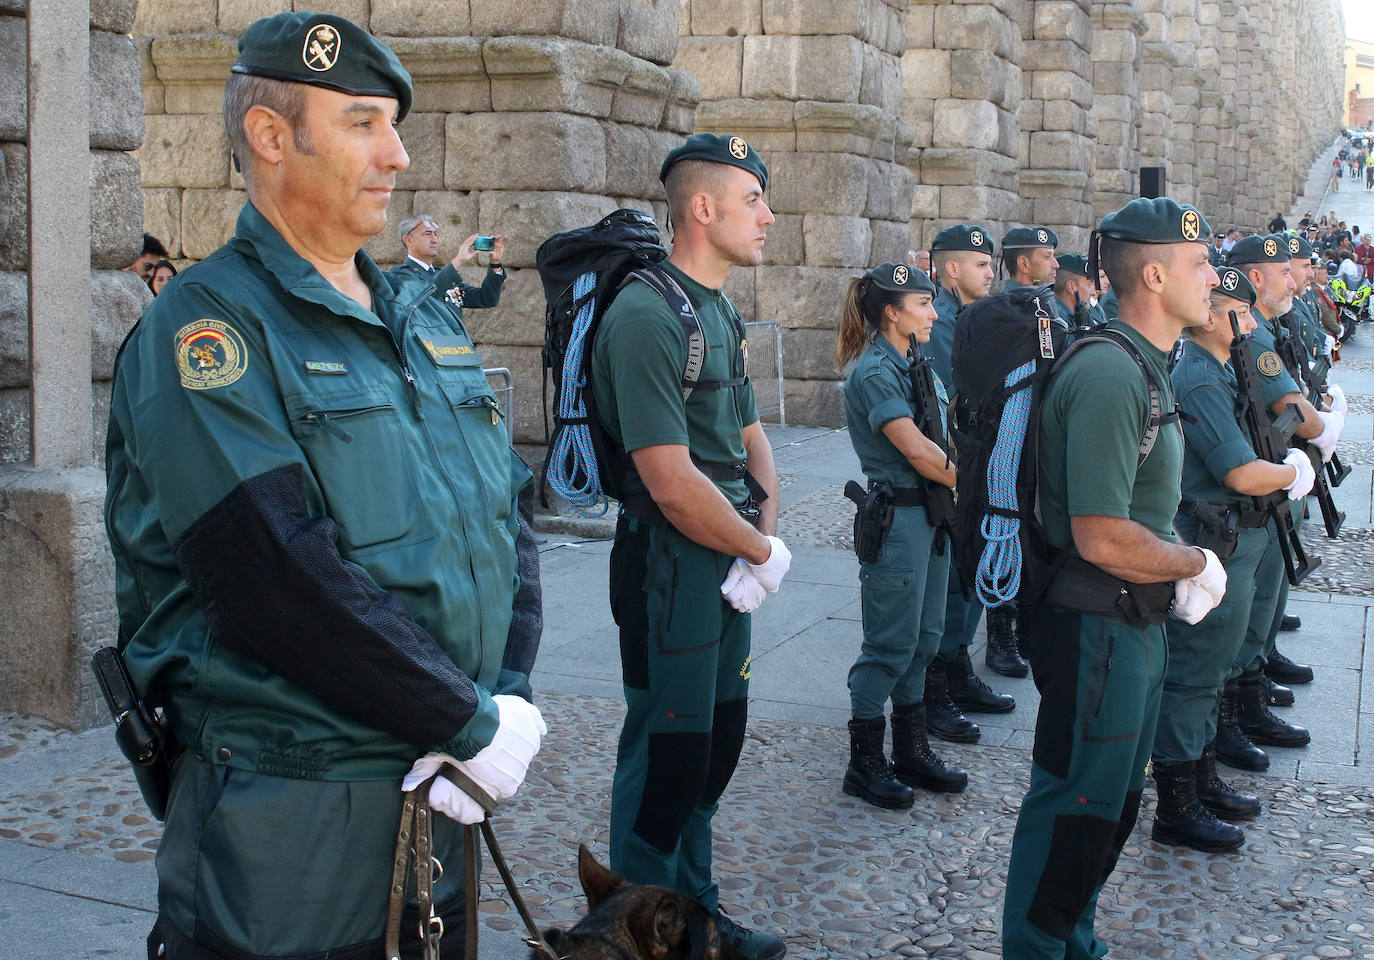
<point>573,452</point>
<point>999,568</point>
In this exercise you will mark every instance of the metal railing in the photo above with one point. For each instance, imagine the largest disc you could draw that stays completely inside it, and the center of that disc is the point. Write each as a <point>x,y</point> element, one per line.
<point>506,396</point>
<point>765,367</point>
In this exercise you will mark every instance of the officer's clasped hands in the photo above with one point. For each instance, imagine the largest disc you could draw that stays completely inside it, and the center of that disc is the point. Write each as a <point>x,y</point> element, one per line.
<point>771,571</point>
<point>741,589</point>
<point>499,768</point>
<point>1305,477</point>
<point>1198,595</point>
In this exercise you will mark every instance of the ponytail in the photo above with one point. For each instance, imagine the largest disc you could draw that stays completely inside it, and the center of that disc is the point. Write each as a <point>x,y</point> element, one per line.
<point>862,318</point>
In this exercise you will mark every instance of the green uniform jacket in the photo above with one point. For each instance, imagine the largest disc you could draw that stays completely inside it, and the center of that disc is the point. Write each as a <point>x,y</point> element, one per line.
<point>1214,443</point>
<point>311,511</point>
<point>878,390</point>
<point>940,349</point>
<point>447,280</point>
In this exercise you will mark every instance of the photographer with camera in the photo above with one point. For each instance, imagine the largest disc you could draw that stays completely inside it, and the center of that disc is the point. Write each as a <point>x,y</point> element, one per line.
<point>420,237</point>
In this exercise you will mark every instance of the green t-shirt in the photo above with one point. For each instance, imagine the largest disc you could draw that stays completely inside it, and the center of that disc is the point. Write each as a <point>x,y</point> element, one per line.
<point>1095,411</point>
<point>876,392</point>
<point>1214,443</point>
<point>637,364</point>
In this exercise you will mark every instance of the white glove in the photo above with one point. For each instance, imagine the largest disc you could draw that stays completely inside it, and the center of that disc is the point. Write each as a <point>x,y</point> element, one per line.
<point>1333,422</point>
<point>771,571</point>
<point>1212,578</point>
<point>1329,345</point>
<point>1306,476</point>
<point>1191,603</point>
<point>1337,396</point>
<point>444,796</point>
<point>499,768</point>
<point>741,588</point>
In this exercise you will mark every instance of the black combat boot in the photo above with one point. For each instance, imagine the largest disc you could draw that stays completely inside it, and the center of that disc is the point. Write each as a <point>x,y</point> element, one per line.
<point>1283,670</point>
<point>943,718</point>
<point>1289,623</point>
<point>1276,694</point>
<point>914,763</point>
<point>1219,796</point>
<point>869,777</point>
<point>1233,747</point>
<point>968,691</point>
<point>1181,820</point>
<point>1259,724</point>
<point>1003,652</point>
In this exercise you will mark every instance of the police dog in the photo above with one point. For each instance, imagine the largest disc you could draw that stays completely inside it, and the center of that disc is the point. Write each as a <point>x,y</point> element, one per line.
<point>626,921</point>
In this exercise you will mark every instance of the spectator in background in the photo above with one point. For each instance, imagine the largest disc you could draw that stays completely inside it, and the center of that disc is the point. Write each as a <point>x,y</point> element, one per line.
<point>420,237</point>
<point>1349,270</point>
<point>1278,224</point>
<point>1364,256</point>
<point>153,251</point>
<point>162,272</point>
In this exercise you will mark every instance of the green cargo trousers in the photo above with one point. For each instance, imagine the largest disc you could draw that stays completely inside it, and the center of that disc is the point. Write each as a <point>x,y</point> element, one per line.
<point>1099,683</point>
<point>684,658</point>
<point>1281,604</point>
<point>903,598</point>
<point>1201,654</point>
<point>1266,610</point>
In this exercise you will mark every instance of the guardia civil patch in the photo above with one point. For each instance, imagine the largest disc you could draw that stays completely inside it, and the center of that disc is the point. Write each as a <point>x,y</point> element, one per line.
<point>1269,364</point>
<point>210,354</point>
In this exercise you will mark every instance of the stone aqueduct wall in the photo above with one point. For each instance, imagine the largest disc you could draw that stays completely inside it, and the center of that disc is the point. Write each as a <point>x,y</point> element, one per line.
<point>881,120</point>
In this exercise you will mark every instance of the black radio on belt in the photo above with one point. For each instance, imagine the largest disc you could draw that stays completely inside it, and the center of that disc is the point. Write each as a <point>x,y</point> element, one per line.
<point>140,731</point>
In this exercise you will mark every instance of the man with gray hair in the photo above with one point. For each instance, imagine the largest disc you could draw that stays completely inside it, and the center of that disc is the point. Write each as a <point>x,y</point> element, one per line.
<point>420,237</point>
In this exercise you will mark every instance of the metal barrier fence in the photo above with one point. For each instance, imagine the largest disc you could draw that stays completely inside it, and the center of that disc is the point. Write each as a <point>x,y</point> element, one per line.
<point>505,395</point>
<point>765,368</point>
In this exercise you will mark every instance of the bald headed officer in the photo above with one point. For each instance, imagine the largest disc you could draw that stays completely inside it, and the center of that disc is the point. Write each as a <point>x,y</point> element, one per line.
<point>323,579</point>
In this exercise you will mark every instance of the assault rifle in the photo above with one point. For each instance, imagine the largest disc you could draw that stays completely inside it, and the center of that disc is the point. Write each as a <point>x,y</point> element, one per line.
<point>1313,379</point>
<point>1296,363</point>
<point>1271,438</point>
<point>939,498</point>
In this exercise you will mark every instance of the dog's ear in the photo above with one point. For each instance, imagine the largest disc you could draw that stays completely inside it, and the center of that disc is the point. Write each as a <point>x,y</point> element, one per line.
<point>556,938</point>
<point>598,882</point>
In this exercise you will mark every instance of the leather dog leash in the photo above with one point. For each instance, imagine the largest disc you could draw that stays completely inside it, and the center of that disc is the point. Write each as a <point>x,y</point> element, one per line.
<point>415,842</point>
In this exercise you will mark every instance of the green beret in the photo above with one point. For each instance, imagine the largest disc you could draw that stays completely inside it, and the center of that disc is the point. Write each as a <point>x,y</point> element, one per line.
<point>717,148</point>
<point>324,51</point>
<point>1235,284</point>
<point>1257,249</point>
<point>1075,263</point>
<point>963,236</point>
<point>1020,237</point>
<point>1299,248</point>
<point>900,278</point>
<point>1155,221</point>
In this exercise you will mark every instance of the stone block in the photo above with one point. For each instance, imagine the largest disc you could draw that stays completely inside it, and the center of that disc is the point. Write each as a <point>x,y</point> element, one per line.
<point>1052,182</point>
<point>680,112</point>
<point>1065,115</point>
<point>422,134</point>
<point>118,299</point>
<point>815,402</point>
<point>164,17</point>
<point>926,73</point>
<point>1031,114</point>
<point>1063,212</point>
<point>116,210</point>
<point>925,202</point>
<point>517,320</point>
<point>1055,55</point>
<point>16,419</point>
<point>550,73</point>
<point>14,207</point>
<point>1114,108</point>
<point>975,26</point>
<point>881,84</point>
<point>632,161</point>
<point>162,216</point>
<point>184,150</point>
<point>728,18</point>
<point>1110,80</point>
<point>785,245</point>
<point>768,125</point>
<point>834,241</point>
<point>1056,150</point>
<point>1117,47</point>
<point>14,330</point>
<point>891,240</point>
<point>963,166</point>
<point>834,183</point>
<point>115,16</point>
<point>116,115</point>
<point>965,123</point>
<point>14,92</point>
<point>454,212</point>
<point>591,21</point>
<point>889,191</point>
<point>192,71</point>
<point>530,218</point>
<point>448,73</point>
<point>58,594</point>
<point>852,18</point>
<point>1062,20</point>
<point>207,220</point>
<point>740,288</point>
<point>414,18</point>
<point>810,354</point>
<point>152,87</point>
<point>715,61</point>
<point>977,75</point>
<point>919,118</point>
<point>1062,85</point>
<point>836,127</point>
<point>642,95</point>
<point>807,297</point>
<point>524,151</point>
<point>802,68</point>
<point>965,203</point>
<point>648,29</point>
<point>920,26</point>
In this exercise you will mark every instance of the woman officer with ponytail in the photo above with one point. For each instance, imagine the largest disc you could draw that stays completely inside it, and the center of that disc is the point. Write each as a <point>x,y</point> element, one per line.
<point>903,588</point>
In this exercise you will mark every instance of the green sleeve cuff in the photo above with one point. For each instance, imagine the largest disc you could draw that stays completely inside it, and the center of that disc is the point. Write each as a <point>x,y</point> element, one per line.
<point>515,683</point>
<point>885,411</point>
<point>477,732</point>
<point>1226,456</point>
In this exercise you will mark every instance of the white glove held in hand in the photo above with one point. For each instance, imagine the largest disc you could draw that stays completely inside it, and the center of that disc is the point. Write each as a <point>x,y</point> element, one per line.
<point>1333,423</point>
<point>1337,399</point>
<point>771,571</point>
<point>1302,483</point>
<point>1191,603</point>
<point>741,588</point>
<point>444,796</point>
<point>1329,345</point>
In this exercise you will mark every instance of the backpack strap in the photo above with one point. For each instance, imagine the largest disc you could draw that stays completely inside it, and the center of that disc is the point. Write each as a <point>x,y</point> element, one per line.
<point>680,304</point>
<point>1157,417</point>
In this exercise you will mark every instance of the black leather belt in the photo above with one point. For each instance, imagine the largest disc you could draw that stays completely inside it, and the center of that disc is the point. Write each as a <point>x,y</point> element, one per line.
<point>1209,512</point>
<point>1084,588</point>
<point>908,497</point>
